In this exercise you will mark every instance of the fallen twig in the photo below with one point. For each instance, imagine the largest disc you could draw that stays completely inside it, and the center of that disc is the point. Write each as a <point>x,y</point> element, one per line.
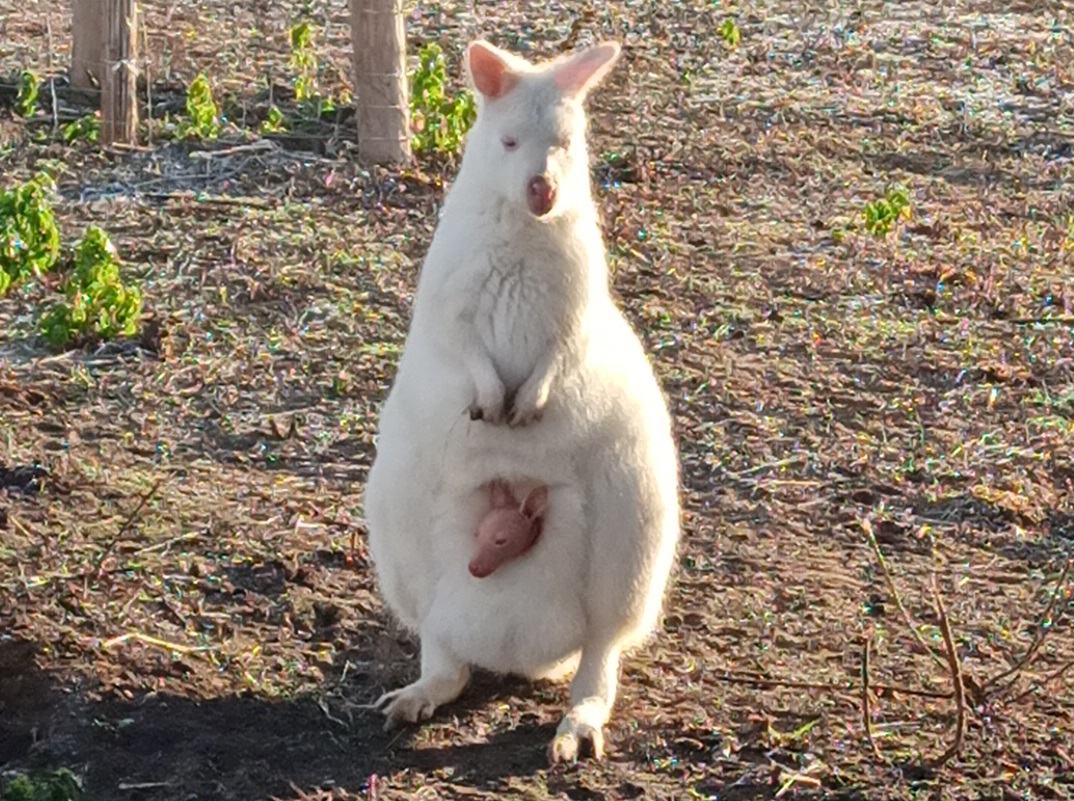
<point>757,680</point>
<point>1059,319</point>
<point>1058,673</point>
<point>867,526</point>
<point>956,678</point>
<point>259,146</point>
<point>127,523</point>
<point>866,713</point>
<point>208,200</point>
<point>1042,630</point>
<point>186,650</point>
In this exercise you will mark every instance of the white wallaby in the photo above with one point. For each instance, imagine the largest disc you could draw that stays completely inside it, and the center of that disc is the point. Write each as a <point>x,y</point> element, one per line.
<point>518,367</point>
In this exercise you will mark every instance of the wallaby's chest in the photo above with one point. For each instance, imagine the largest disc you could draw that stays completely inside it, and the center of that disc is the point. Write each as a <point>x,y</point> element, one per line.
<point>522,306</point>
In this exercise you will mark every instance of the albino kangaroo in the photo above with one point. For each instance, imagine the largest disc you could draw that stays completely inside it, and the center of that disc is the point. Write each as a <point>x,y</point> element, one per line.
<point>514,323</point>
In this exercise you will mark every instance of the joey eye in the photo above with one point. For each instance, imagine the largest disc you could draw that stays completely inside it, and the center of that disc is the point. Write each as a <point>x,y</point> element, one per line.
<point>509,143</point>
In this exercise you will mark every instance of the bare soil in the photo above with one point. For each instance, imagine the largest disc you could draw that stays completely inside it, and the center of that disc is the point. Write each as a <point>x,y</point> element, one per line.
<point>187,608</point>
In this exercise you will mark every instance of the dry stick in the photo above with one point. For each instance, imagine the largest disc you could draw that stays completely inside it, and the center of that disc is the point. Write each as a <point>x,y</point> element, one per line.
<point>762,681</point>
<point>1058,673</point>
<point>956,678</point>
<point>866,714</point>
<point>52,75</point>
<point>867,526</point>
<point>1042,631</point>
<point>126,525</point>
<point>148,87</point>
<point>147,639</point>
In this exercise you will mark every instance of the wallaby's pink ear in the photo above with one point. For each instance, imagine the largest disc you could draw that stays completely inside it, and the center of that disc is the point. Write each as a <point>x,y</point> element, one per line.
<point>579,73</point>
<point>501,495</point>
<point>536,503</point>
<point>489,70</point>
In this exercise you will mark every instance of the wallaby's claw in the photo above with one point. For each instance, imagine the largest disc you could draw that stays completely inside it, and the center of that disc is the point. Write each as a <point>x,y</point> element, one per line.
<point>529,403</point>
<point>408,704</point>
<point>490,406</point>
<point>485,415</point>
<point>576,740</point>
<point>518,419</point>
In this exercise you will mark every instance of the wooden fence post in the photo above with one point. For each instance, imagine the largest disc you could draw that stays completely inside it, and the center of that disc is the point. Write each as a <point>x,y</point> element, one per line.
<point>119,80</point>
<point>87,51</point>
<point>378,37</point>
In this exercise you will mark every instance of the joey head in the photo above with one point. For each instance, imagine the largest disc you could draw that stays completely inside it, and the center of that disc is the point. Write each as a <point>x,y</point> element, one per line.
<point>509,529</point>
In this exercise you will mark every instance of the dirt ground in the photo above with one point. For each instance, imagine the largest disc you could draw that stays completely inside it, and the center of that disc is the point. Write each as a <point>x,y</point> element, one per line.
<point>187,608</point>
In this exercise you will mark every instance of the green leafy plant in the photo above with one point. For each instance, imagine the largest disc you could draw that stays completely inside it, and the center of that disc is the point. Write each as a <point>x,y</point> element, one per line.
<point>88,128</point>
<point>274,121</point>
<point>729,32</point>
<point>53,785</point>
<point>883,214</point>
<point>29,236</point>
<point>303,61</point>
<point>203,119</point>
<point>29,92</point>
<point>440,120</point>
<point>96,301</point>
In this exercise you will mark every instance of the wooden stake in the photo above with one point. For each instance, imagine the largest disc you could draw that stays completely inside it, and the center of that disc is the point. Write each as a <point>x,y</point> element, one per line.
<point>87,51</point>
<point>119,87</point>
<point>378,37</point>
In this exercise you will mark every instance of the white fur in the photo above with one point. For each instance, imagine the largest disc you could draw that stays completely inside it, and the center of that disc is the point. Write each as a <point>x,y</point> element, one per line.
<point>509,304</point>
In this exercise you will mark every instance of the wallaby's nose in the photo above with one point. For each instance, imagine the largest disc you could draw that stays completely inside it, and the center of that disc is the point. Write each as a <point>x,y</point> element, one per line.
<point>540,195</point>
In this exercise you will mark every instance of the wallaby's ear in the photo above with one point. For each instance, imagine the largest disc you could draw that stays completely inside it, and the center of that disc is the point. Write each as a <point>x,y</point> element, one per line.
<point>536,503</point>
<point>501,495</point>
<point>490,69</point>
<point>579,73</point>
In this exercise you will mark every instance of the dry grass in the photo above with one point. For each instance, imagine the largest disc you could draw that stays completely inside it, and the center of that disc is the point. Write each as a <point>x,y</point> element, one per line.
<point>186,605</point>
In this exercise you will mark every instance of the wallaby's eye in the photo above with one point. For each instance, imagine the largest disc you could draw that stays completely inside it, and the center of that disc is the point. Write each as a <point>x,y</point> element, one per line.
<point>509,143</point>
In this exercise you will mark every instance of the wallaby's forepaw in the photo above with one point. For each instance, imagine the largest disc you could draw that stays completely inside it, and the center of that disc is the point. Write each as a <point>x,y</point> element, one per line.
<point>408,704</point>
<point>490,405</point>
<point>530,402</point>
<point>576,738</point>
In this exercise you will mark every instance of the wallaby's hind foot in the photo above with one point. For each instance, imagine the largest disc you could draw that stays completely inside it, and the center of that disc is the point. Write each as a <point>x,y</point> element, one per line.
<point>593,689</point>
<point>580,734</point>
<point>442,680</point>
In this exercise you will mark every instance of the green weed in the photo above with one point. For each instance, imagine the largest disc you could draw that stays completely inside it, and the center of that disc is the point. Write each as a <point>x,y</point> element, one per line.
<point>274,121</point>
<point>440,120</point>
<point>303,61</point>
<point>96,299</point>
<point>730,33</point>
<point>29,236</point>
<point>88,128</point>
<point>29,92</point>
<point>883,214</point>
<point>203,120</point>
<point>53,785</point>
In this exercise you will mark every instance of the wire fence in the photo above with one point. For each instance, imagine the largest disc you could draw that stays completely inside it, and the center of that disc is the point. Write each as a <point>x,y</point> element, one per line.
<point>245,51</point>
<point>245,45</point>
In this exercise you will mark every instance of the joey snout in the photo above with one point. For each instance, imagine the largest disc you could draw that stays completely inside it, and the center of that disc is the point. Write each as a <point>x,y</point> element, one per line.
<point>541,194</point>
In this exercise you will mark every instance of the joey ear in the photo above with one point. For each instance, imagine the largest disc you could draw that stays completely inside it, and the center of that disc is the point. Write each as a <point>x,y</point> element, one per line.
<point>579,73</point>
<point>536,503</point>
<point>490,69</point>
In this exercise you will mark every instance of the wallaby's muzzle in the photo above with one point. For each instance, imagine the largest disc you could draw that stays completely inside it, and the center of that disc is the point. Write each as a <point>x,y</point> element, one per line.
<point>540,195</point>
